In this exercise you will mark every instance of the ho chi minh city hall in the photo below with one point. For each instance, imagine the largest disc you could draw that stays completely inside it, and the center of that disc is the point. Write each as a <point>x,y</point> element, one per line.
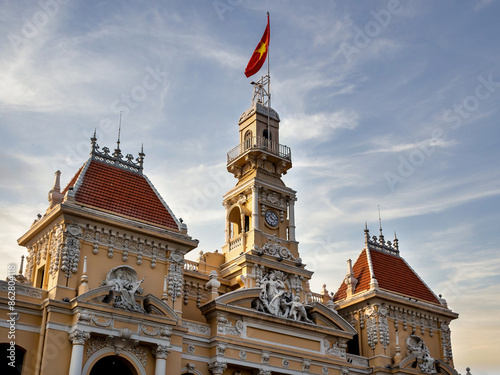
<point>106,288</point>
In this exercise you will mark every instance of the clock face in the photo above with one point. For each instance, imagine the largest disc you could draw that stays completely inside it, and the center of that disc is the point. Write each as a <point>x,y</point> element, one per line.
<point>272,218</point>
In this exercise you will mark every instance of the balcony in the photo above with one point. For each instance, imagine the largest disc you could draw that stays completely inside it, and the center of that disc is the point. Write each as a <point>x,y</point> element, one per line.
<point>259,144</point>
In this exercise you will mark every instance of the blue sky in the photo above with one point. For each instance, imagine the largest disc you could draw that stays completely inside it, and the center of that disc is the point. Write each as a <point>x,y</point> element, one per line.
<point>383,103</point>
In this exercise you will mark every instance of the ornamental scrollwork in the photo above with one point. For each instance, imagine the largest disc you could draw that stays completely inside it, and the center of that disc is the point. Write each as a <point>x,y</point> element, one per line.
<point>446,341</point>
<point>175,276</point>
<point>70,254</point>
<point>225,327</point>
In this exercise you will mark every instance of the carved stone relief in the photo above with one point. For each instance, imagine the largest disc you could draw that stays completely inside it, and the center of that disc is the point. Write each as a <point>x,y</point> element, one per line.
<point>275,249</point>
<point>446,342</point>
<point>336,349</point>
<point>225,327</point>
<point>175,276</point>
<point>416,346</point>
<point>97,343</point>
<point>279,298</point>
<point>128,244</point>
<point>70,254</point>
<point>377,325</point>
<point>125,285</point>
<point>371,327</point>
<point>197,328</point>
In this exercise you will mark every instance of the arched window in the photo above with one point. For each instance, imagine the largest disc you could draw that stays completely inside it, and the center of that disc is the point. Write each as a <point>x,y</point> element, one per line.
<point>266,135</point>
<point>234,222</point>
<point>248,140</point>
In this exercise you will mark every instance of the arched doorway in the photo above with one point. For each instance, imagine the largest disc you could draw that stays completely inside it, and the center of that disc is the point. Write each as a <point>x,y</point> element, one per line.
<point>12,359</point>
<point>113,364</point>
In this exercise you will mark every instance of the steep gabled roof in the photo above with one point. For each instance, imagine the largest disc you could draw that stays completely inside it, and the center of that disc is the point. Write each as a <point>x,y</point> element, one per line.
<point>122,192</point>
<point>392,274</point>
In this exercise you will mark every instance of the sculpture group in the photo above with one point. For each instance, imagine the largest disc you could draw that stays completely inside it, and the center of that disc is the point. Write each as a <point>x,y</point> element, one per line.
<point>276,300</point>
<point>124,285</point>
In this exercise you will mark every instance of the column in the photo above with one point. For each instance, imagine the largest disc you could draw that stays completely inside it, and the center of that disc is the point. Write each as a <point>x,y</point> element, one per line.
<point>78,339</point>
<point>228,224</point>
<point>291,218</point>
<point>255,207</point>
<point>160,354</point>
<point>217,368</point>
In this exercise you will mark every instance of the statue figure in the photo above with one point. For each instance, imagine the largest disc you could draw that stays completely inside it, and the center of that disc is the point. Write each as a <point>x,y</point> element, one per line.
<point>272,292</point>
<point>416,346</point>
<point>276,300</point>
<point>124,283</point>
<point>298,311</point>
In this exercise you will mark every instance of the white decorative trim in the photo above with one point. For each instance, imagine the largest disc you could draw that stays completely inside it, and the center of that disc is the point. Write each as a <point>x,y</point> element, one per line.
<point>79,180</point>
<point>21,327</point>
<point>201,329</point>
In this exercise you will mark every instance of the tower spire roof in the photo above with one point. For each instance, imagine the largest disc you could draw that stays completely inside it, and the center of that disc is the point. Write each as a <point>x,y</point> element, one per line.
<point>117,185</point>
<point>382,263</point>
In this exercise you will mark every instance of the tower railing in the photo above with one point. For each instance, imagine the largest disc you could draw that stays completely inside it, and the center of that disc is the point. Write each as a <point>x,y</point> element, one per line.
<point>259,143</point>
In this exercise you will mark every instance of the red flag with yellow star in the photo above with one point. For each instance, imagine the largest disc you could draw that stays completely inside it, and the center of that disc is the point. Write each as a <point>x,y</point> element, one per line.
<point>260,53</point>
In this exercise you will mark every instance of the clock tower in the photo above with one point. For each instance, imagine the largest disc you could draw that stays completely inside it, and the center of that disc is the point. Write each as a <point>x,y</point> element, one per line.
<point>260,219</point>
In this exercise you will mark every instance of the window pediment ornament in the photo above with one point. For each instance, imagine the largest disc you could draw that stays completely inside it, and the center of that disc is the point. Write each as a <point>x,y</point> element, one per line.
<point>124,285</point>
<point>274,248</point>
<point>416,346</point>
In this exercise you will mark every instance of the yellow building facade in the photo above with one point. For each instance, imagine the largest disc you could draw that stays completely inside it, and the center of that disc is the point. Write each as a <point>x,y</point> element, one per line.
<point>106,287</point>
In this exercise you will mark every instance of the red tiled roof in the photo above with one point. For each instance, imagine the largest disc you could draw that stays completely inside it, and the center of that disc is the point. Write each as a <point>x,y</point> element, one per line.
<point>392,274</point>
<point>122,192</point>
<point>73,180</point>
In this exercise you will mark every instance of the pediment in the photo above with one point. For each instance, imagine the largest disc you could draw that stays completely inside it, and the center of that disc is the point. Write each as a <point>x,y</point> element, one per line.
<point>151,304</point>
<point>440,367</point>
<point>242,300</point>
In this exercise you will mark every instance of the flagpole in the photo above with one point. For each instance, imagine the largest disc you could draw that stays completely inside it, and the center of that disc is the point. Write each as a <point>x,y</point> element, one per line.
<point>268,83</point>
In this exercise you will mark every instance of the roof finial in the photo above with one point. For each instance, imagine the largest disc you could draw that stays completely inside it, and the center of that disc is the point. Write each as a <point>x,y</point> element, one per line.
<point>118,152</point>
<point>84,286</point>
<point>20,272</point>
<point>367,235</point>
<point>140,159</point>
<point>119,130</point>
<point>381,237</point>
<point>350,280</point>
<point>93,141</point>
<point>55,196</point>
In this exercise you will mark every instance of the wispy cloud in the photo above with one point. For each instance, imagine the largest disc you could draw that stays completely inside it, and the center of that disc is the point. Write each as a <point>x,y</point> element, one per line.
<point>318,125</point>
